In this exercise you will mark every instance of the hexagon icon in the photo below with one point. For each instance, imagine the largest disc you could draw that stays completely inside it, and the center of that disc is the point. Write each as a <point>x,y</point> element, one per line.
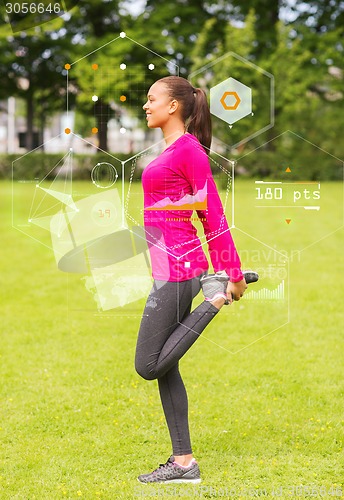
<point>230,100</point>
<point>223,79</point>
<point>234,104</point>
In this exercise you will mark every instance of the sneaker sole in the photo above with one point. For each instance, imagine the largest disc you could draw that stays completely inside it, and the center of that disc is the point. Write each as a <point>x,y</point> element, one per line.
<point>179,481</point>
<point>250,277</point>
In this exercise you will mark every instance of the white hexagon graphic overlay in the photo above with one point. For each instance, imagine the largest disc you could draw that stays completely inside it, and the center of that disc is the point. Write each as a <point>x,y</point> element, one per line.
<point>251,91</point>
<point>294,196</point>
<point>230,100</point>
<point>84,222</point>
<point>223,174</point>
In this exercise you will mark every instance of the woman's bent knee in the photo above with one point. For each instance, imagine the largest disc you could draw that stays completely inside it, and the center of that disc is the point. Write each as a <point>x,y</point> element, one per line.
<point>144,372</point>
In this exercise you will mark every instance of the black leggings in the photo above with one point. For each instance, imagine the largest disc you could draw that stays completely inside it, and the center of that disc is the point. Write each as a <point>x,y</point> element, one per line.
<point>168,329</point>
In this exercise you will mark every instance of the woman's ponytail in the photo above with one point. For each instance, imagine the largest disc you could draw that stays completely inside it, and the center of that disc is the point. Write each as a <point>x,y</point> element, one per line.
<point>199,122</point>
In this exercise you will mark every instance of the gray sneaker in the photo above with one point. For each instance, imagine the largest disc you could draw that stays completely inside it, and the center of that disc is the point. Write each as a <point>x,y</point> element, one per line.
<point>215,285</point>
<point>170,472</point>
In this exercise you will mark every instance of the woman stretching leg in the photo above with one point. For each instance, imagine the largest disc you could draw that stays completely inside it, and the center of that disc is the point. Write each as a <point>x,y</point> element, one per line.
<point>176,183</point>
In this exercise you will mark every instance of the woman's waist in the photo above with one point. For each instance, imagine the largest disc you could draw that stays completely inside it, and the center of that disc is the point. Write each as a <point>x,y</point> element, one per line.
<point>177,239</point>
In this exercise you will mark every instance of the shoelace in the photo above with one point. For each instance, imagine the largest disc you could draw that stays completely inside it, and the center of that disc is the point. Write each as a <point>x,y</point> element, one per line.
<point>163,466</point>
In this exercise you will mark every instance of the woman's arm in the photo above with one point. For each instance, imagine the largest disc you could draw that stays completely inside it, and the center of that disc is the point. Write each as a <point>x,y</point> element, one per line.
<point>222,251</point>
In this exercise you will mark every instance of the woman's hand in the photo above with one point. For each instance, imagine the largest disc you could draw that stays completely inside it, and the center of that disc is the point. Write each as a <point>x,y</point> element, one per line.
<point>236,290</point>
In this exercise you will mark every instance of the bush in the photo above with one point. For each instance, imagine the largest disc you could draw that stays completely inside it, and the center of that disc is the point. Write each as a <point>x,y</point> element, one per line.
<point>305,162</point>
<point>39,165</point>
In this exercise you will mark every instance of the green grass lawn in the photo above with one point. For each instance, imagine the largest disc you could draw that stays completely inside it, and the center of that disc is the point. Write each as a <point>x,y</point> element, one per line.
<point>266,403</point>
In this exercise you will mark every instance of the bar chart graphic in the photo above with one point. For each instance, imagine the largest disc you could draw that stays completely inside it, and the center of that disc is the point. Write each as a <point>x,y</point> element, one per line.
<point>266,294</point>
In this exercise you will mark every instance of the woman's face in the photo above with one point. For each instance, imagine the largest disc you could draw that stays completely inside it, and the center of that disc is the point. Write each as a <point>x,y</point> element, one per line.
<point>159,106</point>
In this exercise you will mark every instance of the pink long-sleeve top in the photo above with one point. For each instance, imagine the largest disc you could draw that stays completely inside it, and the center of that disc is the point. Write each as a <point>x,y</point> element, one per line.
<point>175,184</point>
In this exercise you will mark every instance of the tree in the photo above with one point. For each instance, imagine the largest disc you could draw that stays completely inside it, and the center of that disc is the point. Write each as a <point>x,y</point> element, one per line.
<point>172,28</point>
<point>90,26</point>
<point>31,67</point>
<point>306,65</point>
<point>318,15</point>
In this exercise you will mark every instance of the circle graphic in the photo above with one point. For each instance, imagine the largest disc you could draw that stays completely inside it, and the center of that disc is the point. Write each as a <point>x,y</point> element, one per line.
<point>104,175</point>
